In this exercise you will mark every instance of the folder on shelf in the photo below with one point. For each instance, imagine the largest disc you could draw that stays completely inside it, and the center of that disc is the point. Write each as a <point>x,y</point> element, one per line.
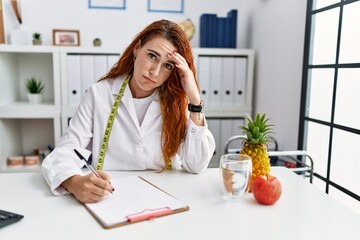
<point>215,81</point>
<point>100,66</point>
<point>74,79</point>
<point>240,81</point>
<point>134,199</point>
<point>204,78</point>
<point>87,73</point>
<point>112,60</point>
<point>228,81</point>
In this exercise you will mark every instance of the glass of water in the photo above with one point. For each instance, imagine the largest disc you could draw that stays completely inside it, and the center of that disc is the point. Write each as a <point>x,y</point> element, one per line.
<point>235,174</point>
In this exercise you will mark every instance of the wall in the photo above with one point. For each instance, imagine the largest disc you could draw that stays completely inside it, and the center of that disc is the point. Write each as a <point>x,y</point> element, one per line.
<point>115,27</point>
<point>278,28</point>
<point>274,28</point>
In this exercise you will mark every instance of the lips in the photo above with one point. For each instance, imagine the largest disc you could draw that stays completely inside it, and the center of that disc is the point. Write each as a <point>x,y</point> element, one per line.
<point>149,80</point>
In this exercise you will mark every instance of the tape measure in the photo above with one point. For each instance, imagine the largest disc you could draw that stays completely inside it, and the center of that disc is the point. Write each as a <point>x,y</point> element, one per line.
<point>105,141</point>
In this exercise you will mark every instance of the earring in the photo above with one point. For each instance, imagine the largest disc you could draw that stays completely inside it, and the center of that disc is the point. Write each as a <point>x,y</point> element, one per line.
<point>134,57</point>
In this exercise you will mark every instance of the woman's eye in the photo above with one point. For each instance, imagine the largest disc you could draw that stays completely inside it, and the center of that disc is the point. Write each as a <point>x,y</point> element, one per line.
<point>169,66</point>
<point>152,56</point>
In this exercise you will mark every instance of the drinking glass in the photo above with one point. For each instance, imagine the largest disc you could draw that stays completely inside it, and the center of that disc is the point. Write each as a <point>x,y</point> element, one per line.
<point>235,174</point>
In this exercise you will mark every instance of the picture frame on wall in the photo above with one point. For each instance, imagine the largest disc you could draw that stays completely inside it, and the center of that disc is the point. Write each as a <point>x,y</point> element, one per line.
<point>62,37</point>
<point>168,6</point>
<point>107,4</point>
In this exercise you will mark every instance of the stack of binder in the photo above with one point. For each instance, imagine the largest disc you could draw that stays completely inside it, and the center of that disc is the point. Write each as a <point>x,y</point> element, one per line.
<point>218,32</point>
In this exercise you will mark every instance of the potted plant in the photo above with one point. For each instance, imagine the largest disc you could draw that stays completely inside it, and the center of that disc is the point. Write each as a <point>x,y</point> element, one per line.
<point>35,88</point>
<point>36,38</point>
<point>97,42</point>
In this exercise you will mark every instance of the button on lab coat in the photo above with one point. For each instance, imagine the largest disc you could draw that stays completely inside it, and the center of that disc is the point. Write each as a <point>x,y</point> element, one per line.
<point>130,147</point>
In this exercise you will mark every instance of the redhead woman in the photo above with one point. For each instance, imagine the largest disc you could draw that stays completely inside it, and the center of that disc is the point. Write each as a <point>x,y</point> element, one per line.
<point>144,114</point>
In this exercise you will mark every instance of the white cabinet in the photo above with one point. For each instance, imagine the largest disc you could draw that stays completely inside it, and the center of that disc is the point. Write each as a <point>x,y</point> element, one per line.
<point>225,76</point>
<point>226,82</point>
<point>25,126</point>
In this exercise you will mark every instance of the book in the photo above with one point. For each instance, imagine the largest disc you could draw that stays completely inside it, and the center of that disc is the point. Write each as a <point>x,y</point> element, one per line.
<point>232,16</point>
<point>134,199</point>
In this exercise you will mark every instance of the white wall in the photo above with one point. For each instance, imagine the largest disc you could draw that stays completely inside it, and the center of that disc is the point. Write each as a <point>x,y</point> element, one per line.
<point>278,28</point>
<point>115,27</point>
<point>274,28</point>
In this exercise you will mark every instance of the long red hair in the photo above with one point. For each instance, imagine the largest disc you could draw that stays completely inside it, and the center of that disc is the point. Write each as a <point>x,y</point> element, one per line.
<point>173,98</point>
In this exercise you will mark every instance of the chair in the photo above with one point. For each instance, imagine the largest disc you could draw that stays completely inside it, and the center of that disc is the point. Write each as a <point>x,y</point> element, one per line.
<point>289,159</point>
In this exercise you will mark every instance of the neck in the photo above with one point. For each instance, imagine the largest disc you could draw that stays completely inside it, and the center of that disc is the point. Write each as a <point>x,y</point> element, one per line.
<point>138,92</point>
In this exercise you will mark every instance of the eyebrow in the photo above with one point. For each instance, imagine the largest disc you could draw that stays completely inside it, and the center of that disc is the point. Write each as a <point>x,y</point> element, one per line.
<point>159,55</point>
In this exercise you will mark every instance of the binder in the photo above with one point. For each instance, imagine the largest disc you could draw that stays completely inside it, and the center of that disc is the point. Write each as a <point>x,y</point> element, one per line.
<point>134,200</point>
<point>74,79</point>
<point>221,32</point>
<point>87,73</point>
<point>215,81</point>
<point>232,16</point>
<point>100,66</point>
<point>228,78</point>
<point>111,60</point>
<point>204,78</point>
<point>240,80</point>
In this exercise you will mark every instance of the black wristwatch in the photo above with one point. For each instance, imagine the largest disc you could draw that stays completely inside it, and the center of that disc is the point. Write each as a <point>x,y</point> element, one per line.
<point>196,108</point>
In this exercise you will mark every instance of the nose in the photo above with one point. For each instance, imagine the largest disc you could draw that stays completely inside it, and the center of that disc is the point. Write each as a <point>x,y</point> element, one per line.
<point>155,69</point>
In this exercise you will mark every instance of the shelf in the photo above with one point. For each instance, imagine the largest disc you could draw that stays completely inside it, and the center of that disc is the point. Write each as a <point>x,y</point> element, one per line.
<point>28,49</point>
<point>227,112</point>
<point>27,110</point>
<point>20,169</point>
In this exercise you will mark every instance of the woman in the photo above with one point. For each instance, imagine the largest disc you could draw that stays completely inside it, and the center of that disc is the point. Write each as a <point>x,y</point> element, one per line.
<point>150,90</point>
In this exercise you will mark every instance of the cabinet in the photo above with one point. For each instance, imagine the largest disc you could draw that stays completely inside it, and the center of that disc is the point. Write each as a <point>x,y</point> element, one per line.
<point>225,76</point>
<point>226,80</point>
<point>25,126</point>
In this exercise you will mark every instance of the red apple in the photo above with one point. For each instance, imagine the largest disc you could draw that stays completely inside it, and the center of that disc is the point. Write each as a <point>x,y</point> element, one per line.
<point>266,189</point>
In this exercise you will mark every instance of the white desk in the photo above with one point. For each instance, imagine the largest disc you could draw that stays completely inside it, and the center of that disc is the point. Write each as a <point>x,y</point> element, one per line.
<point>303,212</point>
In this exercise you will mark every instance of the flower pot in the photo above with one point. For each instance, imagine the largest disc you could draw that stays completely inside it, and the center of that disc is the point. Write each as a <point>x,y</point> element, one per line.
<point>35,98</point>
<point>97,42</point>
<point>36,42</point>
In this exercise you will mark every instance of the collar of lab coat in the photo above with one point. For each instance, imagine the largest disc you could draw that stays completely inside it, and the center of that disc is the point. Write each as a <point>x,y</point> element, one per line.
<point>153,111</point>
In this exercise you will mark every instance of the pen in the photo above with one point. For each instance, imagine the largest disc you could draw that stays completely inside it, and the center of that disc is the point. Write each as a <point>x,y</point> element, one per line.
<point>88,165</point>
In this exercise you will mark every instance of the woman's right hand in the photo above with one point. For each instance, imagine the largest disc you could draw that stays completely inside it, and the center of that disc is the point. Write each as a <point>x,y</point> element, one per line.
<point>89,188</point>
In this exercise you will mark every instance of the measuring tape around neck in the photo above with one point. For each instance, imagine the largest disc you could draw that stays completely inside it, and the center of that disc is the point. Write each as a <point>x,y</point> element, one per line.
<point>105,141</point>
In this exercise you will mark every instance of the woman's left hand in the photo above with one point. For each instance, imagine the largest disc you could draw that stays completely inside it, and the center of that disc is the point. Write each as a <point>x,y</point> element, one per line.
<point>187,78</point>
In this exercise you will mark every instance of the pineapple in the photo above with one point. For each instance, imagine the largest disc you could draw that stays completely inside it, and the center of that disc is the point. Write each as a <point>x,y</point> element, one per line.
<point>255,145</point>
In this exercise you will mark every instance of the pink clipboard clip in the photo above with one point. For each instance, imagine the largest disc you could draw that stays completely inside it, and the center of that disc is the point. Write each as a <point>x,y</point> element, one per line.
<point>148,214</point>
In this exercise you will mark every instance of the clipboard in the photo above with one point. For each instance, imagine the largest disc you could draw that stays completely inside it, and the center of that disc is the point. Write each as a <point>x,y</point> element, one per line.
<point>134,200</point>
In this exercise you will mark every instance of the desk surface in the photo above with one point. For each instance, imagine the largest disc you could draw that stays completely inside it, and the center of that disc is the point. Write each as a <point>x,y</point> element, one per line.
<point>303,211</point>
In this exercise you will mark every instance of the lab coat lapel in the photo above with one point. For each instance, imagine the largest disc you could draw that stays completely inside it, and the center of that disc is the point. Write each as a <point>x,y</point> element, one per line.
<point>126,100</point>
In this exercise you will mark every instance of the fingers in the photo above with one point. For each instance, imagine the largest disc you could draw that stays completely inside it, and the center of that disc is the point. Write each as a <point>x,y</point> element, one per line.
<point>106,178</point>
<point>90,188</point>
<point>180,61</point>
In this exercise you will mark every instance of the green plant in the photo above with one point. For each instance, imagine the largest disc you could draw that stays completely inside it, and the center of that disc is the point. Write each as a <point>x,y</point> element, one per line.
<point>36,36</point>
<point>34,86</point>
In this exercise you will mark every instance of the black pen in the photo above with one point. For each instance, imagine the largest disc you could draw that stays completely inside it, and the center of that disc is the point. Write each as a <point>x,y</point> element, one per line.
<point>88,165</point>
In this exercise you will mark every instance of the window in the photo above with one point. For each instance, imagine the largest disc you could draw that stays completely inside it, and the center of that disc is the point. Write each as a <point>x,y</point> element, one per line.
<point>330,102</point>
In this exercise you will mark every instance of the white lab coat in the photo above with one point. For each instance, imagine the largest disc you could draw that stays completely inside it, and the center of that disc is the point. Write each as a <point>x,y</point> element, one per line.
<point>131,146</point>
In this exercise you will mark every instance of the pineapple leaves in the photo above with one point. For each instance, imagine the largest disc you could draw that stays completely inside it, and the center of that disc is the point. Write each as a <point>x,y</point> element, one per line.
<point>257,131</point>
